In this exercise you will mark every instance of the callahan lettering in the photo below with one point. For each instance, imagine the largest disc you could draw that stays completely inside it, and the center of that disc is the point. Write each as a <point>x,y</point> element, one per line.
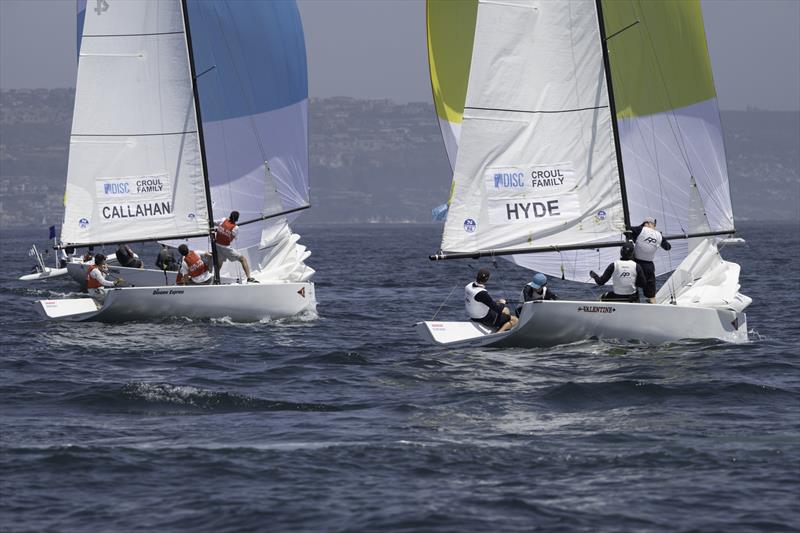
<point>137,211</point>
<point>532,210</point>
<point>547,178</point>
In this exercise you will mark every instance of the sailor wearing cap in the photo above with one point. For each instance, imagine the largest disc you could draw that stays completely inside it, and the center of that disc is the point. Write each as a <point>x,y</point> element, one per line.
<point>537,289</point>
<point>647,242</point>
<point>482,308</point>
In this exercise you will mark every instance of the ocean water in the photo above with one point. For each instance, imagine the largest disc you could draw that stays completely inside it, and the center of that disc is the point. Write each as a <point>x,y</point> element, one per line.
<point>349,422</point>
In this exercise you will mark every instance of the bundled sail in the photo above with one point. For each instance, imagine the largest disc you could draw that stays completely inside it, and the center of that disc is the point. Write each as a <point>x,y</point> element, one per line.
<point>538,164</point>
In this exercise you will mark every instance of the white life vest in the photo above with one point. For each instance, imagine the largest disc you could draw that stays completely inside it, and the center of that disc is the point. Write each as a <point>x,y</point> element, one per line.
<point>624,277</point>
<point>474,308</point>
<point>647,244</point>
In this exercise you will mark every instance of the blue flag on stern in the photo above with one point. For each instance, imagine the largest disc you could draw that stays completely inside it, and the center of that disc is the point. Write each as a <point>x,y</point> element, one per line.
<point>52,232</point>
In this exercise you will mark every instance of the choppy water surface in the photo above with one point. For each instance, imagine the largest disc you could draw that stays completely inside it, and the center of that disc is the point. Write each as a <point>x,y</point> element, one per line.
<point>349,422</point>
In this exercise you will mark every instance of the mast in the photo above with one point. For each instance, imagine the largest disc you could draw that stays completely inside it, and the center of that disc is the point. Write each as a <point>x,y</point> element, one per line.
<point>214,253</point>
<point>613,108</point>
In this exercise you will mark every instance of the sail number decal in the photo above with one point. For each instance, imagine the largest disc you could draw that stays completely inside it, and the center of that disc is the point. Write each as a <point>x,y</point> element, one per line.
<point>540,193</point>
<point>138,197</point>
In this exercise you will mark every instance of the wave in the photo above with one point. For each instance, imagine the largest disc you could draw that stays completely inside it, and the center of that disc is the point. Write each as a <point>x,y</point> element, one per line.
<point>154,395</point>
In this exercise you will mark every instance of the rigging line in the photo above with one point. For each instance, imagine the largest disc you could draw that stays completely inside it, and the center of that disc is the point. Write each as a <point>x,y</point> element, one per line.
<point>631,25</point>
<point>134,34</point>
<point>592,108</point>
<point>444,302</point>
<point>678,136</point>
<point>132,134</point>
<point>500,277</point>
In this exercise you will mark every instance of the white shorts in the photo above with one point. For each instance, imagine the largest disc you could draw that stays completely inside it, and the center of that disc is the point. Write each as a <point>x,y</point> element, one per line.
<point>227,254</point>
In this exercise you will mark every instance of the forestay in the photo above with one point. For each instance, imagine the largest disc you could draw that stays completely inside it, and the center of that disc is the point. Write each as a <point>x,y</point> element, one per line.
<point>134,170</point>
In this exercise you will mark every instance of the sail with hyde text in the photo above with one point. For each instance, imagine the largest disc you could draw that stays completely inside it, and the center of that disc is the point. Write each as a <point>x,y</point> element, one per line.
<point>537,166</point>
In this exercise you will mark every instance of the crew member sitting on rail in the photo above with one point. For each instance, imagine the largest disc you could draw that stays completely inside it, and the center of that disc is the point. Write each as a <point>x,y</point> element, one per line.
<point>483,309</point>
<point>626,274</point>
<point>536,290</point>
<point>193,269</point>
<point>97,280</point>
<point>127,257</point>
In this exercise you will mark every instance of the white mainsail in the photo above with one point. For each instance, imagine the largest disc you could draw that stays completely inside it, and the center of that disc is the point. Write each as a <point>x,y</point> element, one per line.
<point>537,164</point>
<point>135,170</point>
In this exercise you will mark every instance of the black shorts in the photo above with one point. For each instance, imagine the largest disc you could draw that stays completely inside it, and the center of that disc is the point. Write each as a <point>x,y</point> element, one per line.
<point>649,269</point>
<point>613,297</point>
<point>493,319</point>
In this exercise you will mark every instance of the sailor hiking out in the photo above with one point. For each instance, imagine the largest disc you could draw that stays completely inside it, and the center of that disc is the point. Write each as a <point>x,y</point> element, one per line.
<point>483,309</point>
<point>626,275</point>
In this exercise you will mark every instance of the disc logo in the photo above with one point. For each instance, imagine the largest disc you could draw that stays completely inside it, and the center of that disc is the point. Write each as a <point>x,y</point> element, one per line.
<point>83,223</point>
<point>470,226</point>
<point>601,214</point>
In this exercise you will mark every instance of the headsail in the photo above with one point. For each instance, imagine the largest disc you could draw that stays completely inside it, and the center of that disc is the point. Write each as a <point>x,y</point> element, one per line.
<point>668,118</point>
<point>451,30</point>
<point>134,162</point>
<point>536,165</point>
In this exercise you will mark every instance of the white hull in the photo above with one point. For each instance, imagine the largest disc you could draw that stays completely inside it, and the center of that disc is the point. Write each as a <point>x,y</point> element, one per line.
<point>134,277</point>
<point>240,303</point>
<point>551,323</point>
<point>46,274</point>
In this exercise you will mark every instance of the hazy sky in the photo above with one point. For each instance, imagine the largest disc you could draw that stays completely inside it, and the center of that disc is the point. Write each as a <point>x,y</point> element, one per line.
<point>376,48</point>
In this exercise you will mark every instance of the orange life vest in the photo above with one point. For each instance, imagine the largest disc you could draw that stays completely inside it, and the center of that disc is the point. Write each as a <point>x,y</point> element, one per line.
<point>225,232</point>
<point>195,264</point>
<point>92,283</point>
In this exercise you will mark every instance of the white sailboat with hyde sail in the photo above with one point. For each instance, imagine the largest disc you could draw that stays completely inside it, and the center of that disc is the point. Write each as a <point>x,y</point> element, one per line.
<point>567,123</point>
<point>185,111</point>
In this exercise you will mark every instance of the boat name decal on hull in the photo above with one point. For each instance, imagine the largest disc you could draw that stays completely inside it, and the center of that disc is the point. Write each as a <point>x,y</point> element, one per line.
<point>161,292</point>
<point>596,309</point>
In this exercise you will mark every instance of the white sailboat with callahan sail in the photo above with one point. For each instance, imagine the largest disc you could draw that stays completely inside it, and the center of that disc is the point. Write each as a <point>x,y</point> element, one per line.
<point>567,123</point>
<point>184,112</point>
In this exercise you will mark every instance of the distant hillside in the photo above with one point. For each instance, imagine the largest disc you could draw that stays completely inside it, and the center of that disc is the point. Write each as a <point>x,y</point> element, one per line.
<point>371,160</point>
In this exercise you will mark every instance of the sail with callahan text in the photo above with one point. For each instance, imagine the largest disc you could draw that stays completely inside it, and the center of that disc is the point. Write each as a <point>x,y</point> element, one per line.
<point>135,169</point>
<point>536,164</point>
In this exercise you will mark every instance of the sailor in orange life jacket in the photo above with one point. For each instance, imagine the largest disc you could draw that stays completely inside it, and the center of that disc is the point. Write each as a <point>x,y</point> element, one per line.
<point>193,270</point>
<point>224,234</point>
<point>96,281</point>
